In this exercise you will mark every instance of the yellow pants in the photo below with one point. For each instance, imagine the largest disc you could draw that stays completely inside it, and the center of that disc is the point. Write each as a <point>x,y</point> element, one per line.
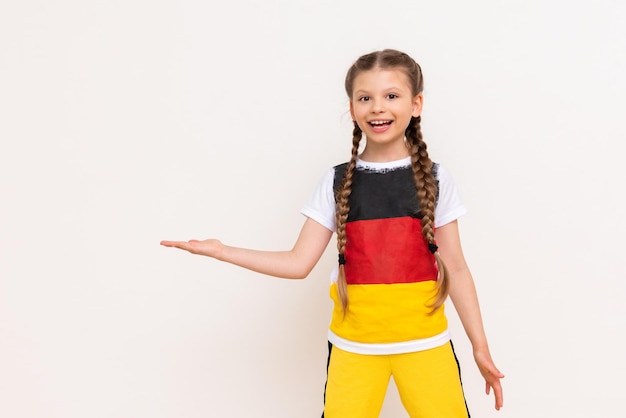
<point>428,381</point>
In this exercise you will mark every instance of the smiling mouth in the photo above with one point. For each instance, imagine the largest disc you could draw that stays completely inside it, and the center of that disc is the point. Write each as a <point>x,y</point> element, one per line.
<point>379,123</point>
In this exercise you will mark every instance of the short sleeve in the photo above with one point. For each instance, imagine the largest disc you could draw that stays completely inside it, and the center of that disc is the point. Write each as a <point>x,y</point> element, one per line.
<point>449,204</point>
<point>321,204</point>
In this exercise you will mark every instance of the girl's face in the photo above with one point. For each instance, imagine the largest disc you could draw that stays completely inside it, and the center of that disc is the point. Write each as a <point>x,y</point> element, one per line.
<point>382,104</point>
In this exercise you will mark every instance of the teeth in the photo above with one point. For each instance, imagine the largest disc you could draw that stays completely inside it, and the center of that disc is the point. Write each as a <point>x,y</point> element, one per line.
<point>379,122</point>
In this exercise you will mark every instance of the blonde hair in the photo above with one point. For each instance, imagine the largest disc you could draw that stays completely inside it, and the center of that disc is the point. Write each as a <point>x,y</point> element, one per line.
<point>421,164</point>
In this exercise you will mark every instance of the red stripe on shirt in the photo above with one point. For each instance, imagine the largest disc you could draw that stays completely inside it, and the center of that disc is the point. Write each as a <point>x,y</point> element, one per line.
<point>387,251</point>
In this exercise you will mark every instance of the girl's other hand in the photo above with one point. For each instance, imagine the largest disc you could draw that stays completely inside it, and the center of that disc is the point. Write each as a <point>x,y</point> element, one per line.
<point>491,375</point>
<point>209,247</point>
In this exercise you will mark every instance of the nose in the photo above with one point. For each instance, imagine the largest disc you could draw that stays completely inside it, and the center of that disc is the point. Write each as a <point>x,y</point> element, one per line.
<point>378,106</point>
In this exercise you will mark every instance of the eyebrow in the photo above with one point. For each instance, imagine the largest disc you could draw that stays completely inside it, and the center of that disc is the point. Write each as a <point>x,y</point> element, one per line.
<point>385,90</point>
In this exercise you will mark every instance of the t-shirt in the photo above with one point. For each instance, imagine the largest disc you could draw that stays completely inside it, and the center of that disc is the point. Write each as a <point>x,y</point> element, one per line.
<point>391,276</point>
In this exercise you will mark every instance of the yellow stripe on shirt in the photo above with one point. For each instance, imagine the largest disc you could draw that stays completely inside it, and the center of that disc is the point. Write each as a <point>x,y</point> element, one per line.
<point>388,313</point>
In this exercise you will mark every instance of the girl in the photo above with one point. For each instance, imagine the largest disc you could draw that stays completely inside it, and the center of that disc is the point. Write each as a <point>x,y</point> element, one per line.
<point>395,213</point>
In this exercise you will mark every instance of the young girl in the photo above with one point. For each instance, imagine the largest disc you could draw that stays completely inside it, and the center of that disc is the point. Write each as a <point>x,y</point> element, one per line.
<point>395,214</point>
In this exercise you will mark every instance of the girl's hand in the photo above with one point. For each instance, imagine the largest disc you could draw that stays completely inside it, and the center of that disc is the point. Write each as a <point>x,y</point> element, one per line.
<point>491,374</point>
<point>209,247</point>
<point>296,263</point>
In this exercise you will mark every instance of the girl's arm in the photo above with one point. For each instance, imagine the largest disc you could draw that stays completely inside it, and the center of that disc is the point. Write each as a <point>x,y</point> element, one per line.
<point>463,295</point>
<point>296,263</point>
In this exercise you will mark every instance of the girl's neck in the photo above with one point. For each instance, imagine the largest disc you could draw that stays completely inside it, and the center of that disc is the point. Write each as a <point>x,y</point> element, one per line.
<point>374,154</point>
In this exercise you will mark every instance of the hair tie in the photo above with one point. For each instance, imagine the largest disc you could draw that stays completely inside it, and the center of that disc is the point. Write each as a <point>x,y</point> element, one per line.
<point>342,259</point>
<point>432,247</point>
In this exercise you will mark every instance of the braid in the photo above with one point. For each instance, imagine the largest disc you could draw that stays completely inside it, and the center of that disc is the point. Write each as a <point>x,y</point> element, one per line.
<point>343,208</point>
<point>426,185</point>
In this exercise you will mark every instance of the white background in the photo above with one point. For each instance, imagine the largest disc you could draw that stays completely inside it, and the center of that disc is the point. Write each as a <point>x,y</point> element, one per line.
<point>126,122</point>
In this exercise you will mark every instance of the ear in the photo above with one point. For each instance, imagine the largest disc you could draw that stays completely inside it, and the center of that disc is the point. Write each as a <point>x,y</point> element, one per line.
<point>418,101</point>
<point>352,110</point>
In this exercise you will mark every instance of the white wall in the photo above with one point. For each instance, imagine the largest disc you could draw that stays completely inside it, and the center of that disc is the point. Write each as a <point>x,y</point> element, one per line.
<point>126,122</point>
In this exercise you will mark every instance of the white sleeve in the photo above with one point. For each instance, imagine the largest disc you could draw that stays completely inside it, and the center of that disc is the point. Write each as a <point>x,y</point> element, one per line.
<point>321,204</point>
<point>449,205</point>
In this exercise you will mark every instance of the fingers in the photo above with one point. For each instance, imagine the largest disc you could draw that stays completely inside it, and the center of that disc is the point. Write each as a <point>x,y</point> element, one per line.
<point>497,391</point>
<point>207,247</point>
<point>172,243</point>
<point>183,245</point>
<point>497,373</point>
<point>492,381</point>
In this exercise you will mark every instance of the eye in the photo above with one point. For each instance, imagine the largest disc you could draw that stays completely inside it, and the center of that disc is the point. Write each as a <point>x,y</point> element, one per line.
<point>392,96</point>
<point>364,99</point>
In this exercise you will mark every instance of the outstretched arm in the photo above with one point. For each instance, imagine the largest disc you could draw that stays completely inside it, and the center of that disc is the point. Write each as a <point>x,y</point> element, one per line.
<point>463,295</point>
<point>296,263</point>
